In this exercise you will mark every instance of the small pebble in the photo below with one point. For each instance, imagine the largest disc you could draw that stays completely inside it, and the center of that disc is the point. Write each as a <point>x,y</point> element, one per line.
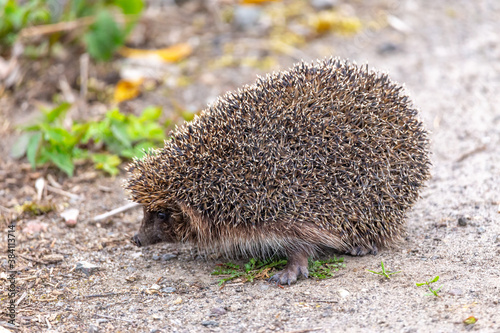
<point>481,230</point>
<point>326,314</point>
<point>246,17</point>
<point>343,293</point>
<point>497,240</point>
<point>155,287</point>
<point>217,312</point>
<point>264,286</point>
<point>136,255</point>
<point>156,257</point>
<point>323,4</point>
<point>101,321</point>
<point>86,267</point>
<point>387,48</point>
<point>462,221</point>
<point>168,256</point>
<point>168,290</point>
<point>210,323</point>
<point>70,217</point>
<point>456,292</point>
<point>53,258</point>
<point>93,329</point>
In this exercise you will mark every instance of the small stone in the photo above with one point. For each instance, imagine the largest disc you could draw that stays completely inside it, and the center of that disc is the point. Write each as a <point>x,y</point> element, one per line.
<point>481,230</point>
<point>455,292</point>
<point>154,330</point>
<point>168,290</point>
<point>59,304</point>
<point>156,257</point>
<point>93,329</point>
<point>217,312</point>
<point>168,256</point>
<point>264,286</point>
<point>323,4</point>
<point>246,17</point>
<point>326,314</point>
<point>343,293</point>
<point>70,217</point>
<point>387,48</point>
<point>462,221</point>
<point>177,301</point>
<point>101,321</point>
<point>157,316</point>
<point>33,227</point>
<point>497,239</point>
<point>86,267</point>
<point>136,255</point>
<point>155,287</point>
<point>210,323</point>
<point>53,258</point>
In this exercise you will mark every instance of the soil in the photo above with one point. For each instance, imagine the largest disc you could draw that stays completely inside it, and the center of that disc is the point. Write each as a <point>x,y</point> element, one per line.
<point>448,55</point>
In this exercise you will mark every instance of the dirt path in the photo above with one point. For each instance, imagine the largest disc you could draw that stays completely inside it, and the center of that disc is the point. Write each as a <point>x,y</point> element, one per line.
<point>448,55</point>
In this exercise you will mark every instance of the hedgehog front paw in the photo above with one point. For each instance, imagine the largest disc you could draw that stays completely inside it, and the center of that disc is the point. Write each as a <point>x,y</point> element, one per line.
<point>297,265</point>
<point>289,274</point>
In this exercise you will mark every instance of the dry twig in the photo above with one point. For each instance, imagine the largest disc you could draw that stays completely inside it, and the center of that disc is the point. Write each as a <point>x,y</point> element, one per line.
<point>115,211</point>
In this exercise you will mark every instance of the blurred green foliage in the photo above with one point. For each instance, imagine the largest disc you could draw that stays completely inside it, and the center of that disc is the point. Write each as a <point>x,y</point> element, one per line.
<point>102,38</point>
<point>103,142</point>
<point>14,17</point>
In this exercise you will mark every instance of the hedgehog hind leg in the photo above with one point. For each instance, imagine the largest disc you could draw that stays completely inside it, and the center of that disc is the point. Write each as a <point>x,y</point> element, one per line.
<point>296,266</point>
<point>361,250</point>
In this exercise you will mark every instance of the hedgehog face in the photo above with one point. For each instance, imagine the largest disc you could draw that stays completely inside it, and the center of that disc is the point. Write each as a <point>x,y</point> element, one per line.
<point>156,227</point>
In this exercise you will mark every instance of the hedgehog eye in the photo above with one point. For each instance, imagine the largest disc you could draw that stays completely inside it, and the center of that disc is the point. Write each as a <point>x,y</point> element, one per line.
<point>161,215</point>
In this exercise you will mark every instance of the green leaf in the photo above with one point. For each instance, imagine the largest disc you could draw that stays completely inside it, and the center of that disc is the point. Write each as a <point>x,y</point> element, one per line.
<point>107,163</point>
<point>57,112</point>
<point>120,133</point>
<point>187,116</point>
<point>58,136</point>
<point>150,113</point>
<point>32,149</point>
<point>130,7</point>
<point>435,279</point>
<point>62,160</point>
<point>104,37</point>
<point>115,114</point>
<point>19,147</point>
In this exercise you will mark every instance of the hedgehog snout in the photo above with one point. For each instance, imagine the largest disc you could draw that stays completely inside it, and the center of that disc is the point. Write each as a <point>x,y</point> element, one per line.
<point>136,240</point>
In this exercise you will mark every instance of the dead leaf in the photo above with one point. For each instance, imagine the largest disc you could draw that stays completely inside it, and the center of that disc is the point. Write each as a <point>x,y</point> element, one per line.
<point>326,21</point>
<point>126,90</point>
<point>470,320</point>
<point>170,54</point>
<point>256,2</point>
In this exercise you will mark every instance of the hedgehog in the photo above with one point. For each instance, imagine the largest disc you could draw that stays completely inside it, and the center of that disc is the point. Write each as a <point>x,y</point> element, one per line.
<point>327,155</point>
